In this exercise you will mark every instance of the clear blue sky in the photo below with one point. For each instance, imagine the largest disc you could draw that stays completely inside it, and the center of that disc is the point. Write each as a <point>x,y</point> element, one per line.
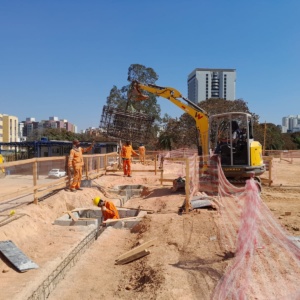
<point>62,57</point>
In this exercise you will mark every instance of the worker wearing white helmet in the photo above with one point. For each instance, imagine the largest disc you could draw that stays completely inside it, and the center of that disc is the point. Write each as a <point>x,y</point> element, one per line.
<point>108,209</point>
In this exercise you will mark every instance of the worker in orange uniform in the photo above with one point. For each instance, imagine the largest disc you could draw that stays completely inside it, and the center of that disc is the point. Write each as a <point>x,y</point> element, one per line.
<point>108,209</point>
<point>126,153</point>
<point>142,152</point>
<point>76,163</point>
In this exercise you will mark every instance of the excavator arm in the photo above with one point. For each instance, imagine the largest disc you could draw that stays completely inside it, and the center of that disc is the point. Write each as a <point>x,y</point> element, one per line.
<point>200,116</point>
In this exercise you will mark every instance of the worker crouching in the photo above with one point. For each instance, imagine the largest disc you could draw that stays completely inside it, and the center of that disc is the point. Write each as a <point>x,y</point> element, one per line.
<point>108,209</point>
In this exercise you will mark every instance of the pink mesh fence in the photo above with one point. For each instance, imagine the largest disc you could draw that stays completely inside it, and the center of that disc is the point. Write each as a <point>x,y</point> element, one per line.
<point>266,262</point>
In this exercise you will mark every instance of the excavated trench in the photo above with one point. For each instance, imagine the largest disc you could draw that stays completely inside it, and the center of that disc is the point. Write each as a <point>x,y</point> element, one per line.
<point>85,217</point>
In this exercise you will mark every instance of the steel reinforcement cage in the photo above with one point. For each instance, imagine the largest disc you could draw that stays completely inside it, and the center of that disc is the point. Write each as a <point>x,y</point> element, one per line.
<point>127,125</point>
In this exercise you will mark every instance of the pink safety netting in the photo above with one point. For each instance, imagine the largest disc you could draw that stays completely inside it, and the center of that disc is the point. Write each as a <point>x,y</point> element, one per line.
<point>266,262</point>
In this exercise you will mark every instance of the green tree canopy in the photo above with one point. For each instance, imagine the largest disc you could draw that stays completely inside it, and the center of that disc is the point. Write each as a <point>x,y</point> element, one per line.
<point>269,135</point>
<point>59,134</point>
<point>289,143</point>
<point>218,106</point>
<point>118,98</point>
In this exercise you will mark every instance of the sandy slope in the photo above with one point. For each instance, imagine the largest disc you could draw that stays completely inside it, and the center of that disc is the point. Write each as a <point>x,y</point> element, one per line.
<point>186,261</point>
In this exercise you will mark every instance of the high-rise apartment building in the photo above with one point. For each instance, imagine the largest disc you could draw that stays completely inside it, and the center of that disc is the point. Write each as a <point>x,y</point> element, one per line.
<point>204,84</point>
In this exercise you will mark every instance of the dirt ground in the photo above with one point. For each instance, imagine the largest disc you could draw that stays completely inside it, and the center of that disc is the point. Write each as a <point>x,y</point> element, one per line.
<point>186,261</point>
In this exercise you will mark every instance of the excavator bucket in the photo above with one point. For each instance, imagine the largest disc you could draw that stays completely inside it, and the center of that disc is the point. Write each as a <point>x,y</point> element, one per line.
<point>136,94</point>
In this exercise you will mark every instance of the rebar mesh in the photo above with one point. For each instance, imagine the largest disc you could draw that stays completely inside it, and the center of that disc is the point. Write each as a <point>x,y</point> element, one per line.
<point>49,284</point>
<point>132,125</point>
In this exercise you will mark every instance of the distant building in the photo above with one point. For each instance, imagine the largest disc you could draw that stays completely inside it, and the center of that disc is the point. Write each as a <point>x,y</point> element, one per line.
<point>204,84</point>
<point>93,131</point>
<point>9,129</point>
<point>291,123</point>
<point>30,124</point>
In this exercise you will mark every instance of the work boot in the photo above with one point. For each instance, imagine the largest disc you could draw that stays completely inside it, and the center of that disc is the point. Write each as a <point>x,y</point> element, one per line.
<point>79,189</point>
<point>72,190</point>
<point>129,176</point>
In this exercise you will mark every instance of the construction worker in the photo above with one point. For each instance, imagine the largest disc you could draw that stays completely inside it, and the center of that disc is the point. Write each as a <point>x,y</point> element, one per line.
<point>108,209</point>
<point>142,152</point>
<point>126,154</point>
<point>76,163</point>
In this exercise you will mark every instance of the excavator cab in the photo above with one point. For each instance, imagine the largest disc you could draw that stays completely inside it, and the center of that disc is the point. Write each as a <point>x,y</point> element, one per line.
<point>231,138</point>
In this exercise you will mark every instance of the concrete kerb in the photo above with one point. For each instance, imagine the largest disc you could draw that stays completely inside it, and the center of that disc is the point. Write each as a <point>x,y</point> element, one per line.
<point>93,216</point>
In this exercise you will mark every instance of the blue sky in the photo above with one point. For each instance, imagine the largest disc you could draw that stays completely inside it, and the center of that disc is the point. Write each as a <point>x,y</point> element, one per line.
<point>62,57</point>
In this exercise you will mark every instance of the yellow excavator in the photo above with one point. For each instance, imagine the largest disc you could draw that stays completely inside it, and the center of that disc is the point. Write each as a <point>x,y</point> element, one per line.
<point>228,135</point>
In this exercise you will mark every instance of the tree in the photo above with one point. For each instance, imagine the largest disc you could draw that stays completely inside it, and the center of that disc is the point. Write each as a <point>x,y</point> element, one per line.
<point>273,136</point>
<point>118,98</point>
<point>288,142</point>
<point>296,139</point>
<point>142,74</point>
<point>218,106</point>
<point>121,100</point>
<point>59,134</point>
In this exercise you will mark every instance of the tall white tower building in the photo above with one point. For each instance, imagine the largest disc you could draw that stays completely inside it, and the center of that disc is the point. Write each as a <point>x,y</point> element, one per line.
<point>204,84</point>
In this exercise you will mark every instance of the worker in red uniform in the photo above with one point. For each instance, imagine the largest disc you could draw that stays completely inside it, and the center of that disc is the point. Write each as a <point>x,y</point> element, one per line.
<point>108,209</point>
<point>142,152</point>
<point>76,163</point>
<point>126,154</point>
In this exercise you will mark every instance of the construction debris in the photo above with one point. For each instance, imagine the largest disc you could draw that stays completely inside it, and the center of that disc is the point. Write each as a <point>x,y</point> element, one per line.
<point>135,253</point>
<point>16,257</point>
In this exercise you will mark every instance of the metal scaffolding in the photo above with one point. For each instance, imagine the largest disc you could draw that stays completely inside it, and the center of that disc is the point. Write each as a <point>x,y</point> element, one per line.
<point>127,125</point>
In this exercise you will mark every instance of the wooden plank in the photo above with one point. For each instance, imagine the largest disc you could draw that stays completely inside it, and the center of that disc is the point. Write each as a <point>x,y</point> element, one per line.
<point>16,194</point>
<point>85,208</point>
<point>136,208</point>
<point>187,187</point>
<point>35,176</point>
<point>176,159</point>
<point>72,216</point>
<point>143,171</point>
<point>122,219</point>
<point>50,189</point>
<point>137,249</point>
<point>53,182</point>
<point>133,257</point>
